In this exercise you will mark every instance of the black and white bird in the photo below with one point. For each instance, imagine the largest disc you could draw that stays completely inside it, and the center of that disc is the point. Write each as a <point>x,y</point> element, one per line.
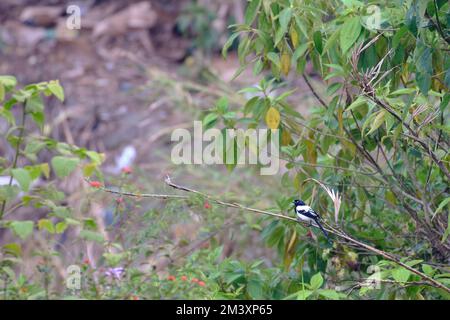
<point>306,213</point>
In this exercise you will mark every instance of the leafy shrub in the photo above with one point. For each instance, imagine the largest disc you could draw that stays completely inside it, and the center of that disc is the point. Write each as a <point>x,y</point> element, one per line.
<point>378,134</point>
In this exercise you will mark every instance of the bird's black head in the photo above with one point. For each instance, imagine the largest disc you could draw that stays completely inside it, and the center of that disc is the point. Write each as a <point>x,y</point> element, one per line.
<point>299,202</point>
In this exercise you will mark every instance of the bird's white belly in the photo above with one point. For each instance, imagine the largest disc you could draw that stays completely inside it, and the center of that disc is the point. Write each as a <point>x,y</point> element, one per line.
<point>305,218</point>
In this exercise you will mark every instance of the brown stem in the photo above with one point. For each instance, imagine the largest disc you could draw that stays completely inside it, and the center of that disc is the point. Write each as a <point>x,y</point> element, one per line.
<point>16,155</point>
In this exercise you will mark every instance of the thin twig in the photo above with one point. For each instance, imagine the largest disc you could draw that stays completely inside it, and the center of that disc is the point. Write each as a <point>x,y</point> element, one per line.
<point>16,155</point>
<point>143,195</point>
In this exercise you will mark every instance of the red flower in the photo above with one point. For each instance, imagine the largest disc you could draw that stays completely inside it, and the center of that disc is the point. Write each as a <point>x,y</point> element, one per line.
<point>183,278</point>
<point>195,280</point>
<point>119,200</point>
<point>95,184</point>
<point>134,297</point>
<point>201,283</point>
<point>207,205</point>
<point>171,278</point>
<point>86,261</point>
<point>127,170</point>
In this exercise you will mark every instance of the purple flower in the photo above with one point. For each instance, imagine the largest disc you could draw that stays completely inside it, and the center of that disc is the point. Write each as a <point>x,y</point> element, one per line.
<point>115,272</point>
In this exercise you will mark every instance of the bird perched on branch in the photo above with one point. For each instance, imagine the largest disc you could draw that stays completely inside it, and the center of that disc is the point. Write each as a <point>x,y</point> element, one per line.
<point>306,213</point>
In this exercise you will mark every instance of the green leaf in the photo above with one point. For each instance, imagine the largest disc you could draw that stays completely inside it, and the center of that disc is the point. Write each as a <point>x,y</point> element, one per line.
<point>318,43</point>
<point>61,212</point>
<point>316,281</point>
<point>96,157</point>
<point>447,231</point>
<point>401,274</point>
<point>423,81</point>
<point>279,34</point>
<point>349,33</point>
<point>56,89</point>
<point>2,92</point>
<point>332,88</point>
<point>254,288</point>
<point>441,206</point>
<point>63,166</point>
<point>232,277</point>
<point>239,71</point>
<point>92,236</point>
<point>258,67</point>
<point>13,249</point>
<point>35,104</point>
<point>8,116</point>
<point>61,227</point>
<point>209,119</point>
<point>22,229</point>
<point>8,193</point>
<point>284,95</point>
<point>303,294</point>
<point>331,40</point>
<point>446,79</point>
<point>403,91</point>
<point>300,51</point>
<point>8,82</point>
<point>47,225</point>
<point>10,273</point>
<point>329,294</point>
<point>428,270</point>
<point>412,263</point>
<point>274,58</point>
<point>378,121</point>
<point>89,224</point>
<point>23,178</point>
<point>229,43</point>
<point>285,18</point>
<point>222,105</point>
<point>252,11</point>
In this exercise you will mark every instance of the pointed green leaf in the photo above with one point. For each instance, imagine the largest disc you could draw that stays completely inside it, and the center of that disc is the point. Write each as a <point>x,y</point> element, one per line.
<point>285,18</point>
<point>318,43</point>
<point>23,178</point>
<point>349,33</point>
<point>56,89</point>
<point>64,166</point>
<point>22,229</point>
<point>252,11</point>
<point>316,281</point>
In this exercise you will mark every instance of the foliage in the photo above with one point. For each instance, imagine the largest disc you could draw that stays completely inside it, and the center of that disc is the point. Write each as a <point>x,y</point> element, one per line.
<point>33,181</point>
<point>379,133</point>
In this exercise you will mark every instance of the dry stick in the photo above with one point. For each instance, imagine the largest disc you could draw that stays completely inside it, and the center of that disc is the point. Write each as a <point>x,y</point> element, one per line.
<point>328,228</point>
<point>143,195</point>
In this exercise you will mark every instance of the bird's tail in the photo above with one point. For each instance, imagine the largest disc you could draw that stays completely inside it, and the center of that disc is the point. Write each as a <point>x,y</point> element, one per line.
<point>323,230</point>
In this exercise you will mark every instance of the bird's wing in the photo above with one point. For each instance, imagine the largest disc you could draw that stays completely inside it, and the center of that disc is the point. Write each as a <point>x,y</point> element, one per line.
<point>308,213</point>
<point>316,214</point>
